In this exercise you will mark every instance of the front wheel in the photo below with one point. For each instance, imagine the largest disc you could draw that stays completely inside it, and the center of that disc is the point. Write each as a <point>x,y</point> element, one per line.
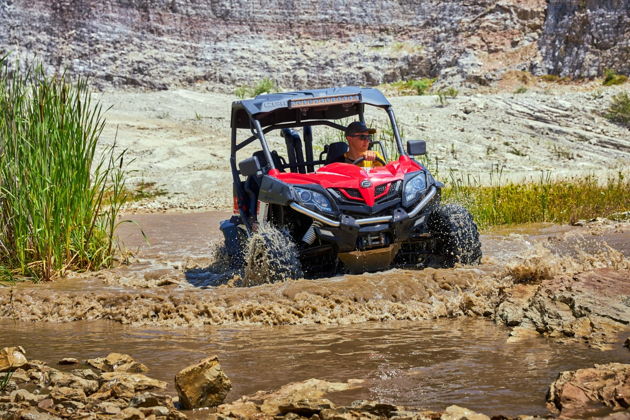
<point>456,235</point>
<point>270,256</point>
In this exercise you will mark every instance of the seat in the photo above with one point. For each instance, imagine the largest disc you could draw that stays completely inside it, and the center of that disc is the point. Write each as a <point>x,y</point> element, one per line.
<point>251,185</point>
<point>335,152</point>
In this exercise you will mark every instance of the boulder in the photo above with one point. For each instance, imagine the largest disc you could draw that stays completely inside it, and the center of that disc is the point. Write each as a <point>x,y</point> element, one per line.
<point>117,362</point>
<point>203,384</point>
<point>12,358</point>
<point>590,391</point>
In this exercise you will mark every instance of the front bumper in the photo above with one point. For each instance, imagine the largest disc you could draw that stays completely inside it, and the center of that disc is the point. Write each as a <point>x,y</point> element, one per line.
<point>349,234</point>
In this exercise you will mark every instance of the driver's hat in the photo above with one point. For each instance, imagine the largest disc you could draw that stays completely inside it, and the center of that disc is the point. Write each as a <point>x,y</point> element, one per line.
<point>358,127</point>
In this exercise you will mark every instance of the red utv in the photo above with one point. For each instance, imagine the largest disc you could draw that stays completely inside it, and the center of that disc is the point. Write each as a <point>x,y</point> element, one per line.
<point>297,213</point>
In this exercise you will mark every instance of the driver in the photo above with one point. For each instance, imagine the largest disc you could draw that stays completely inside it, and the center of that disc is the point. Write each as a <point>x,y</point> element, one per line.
<point>358,138</point>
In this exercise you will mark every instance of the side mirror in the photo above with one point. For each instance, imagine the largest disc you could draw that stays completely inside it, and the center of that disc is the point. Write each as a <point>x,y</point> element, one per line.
<point>416,147</point>
<point>249,166</point>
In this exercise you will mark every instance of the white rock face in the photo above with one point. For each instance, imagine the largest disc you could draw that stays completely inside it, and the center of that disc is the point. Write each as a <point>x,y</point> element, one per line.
<point>315,43</point>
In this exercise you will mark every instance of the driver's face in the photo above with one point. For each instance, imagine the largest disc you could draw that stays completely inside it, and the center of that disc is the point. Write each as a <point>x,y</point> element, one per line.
<point>359,142</point>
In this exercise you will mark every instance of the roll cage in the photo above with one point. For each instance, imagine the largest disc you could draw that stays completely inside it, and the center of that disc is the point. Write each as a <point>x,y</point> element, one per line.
<point>301,109</point>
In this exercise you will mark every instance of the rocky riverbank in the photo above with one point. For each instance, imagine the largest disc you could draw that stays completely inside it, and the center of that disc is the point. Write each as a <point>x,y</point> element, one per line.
<point>116,387</point>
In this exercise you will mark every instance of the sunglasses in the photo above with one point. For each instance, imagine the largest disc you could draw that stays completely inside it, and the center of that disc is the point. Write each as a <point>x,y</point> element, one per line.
<point>361,136</point>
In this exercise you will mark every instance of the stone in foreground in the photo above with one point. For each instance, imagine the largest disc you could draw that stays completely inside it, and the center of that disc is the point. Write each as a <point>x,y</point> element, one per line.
<point>591,391</point>
<point>12,358</point>
<point>203,384</point>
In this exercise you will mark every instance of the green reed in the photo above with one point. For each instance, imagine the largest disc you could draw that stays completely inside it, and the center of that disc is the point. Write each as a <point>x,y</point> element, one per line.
<point>540,200</point>
<point>59,198</point>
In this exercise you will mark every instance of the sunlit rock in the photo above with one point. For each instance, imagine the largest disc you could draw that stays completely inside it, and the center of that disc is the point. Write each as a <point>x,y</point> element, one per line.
<point>12,358</point>
<point>117,362</point>
<point>203,384</point>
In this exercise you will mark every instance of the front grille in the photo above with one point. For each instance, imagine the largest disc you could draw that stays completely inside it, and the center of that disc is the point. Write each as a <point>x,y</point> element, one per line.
<point>354,193</point>
<point>393,192</point>
<point>351,202</point>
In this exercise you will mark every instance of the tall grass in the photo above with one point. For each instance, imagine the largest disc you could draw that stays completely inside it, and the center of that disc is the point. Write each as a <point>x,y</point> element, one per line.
<point>58,198</point>
<point>544,200</point>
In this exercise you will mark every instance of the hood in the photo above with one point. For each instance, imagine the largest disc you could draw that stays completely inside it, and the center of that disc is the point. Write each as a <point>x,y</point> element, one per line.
<point>346,176</point>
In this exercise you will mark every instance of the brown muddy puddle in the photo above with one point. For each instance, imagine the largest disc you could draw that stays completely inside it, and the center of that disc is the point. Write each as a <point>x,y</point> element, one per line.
<point>176,249</point>
<point>429,364</point>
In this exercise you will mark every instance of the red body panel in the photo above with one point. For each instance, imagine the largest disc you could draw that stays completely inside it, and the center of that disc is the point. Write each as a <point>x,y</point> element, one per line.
<point>346,175</point>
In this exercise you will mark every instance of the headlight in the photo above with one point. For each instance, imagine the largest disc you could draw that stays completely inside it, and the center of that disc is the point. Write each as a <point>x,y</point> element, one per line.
<point>313,199</point>
<point>414,189</point>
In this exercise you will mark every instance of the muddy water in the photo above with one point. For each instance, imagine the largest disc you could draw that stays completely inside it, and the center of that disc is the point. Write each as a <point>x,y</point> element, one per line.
<point>427,364</point>
<point>422,364</point>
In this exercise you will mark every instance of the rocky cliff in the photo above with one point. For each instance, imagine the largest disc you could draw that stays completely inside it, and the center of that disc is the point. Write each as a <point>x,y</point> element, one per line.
<point>162,43</point>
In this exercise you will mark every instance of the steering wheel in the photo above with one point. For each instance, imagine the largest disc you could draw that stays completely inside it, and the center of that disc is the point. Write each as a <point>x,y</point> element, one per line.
<point>362,158</point>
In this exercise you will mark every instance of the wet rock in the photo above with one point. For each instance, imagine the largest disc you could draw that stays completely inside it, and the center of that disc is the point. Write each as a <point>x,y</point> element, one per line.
<point>587,392</point>
<point>588,306</point>
<point>68,361</point>
<point>203,384</point>
<point>117,362</point>
<point>12,358</point>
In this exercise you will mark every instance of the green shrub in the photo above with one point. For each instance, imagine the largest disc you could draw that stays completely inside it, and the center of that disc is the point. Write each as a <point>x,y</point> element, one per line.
<point>59,199</point>
<point>413,86</point>
<point>612,78</point>
<point>520,90</point>
<point>265,85</point>
<point>619,109</point>
<point>445,93</point>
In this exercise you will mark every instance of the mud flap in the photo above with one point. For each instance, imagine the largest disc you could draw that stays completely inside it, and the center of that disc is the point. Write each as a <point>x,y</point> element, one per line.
<point>231,237</point>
